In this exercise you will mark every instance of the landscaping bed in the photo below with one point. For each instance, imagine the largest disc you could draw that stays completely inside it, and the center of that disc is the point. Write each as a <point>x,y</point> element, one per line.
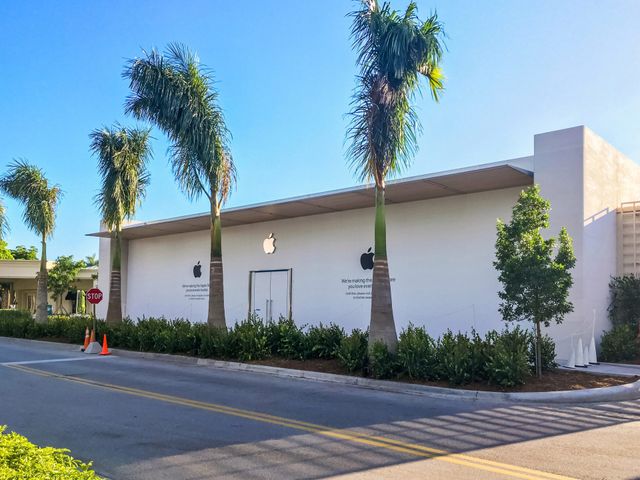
<point>552,380</point>
<point>498,361</point>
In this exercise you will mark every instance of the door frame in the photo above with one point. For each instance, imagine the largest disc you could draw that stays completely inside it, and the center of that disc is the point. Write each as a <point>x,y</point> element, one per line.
<point>289,287</point>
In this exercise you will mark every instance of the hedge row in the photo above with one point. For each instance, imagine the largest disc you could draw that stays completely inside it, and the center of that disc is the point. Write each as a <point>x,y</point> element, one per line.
<point>21,459</point>
<point>502,358</point>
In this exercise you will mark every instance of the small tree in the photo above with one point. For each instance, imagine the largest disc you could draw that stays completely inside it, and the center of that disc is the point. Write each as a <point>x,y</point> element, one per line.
<point>23,253</point>
<point>62,278</point>
<point>534,272</point>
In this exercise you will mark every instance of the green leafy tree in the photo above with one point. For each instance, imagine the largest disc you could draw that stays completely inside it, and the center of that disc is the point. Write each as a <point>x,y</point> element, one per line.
<point>535,273</point>
<point>5,253</point>
<point>29,185</point>
<point>394,51</point>
<point>175,92</point>
<point>122,162</point>
<point>23,253</point>
<point>62,277</point>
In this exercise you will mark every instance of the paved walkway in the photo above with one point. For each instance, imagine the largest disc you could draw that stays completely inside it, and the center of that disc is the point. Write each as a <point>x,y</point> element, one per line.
<point>610,369</point>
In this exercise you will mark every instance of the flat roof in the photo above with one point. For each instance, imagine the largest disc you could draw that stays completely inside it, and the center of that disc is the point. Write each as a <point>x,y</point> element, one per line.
<point>435,185</point>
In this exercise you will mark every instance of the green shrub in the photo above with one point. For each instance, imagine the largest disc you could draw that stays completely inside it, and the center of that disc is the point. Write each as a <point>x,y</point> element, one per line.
<point>382,364</point>
<point>69,329</point>
<point>548,352</point>
<point>417,354</point>
<point>624,308</point>
<point>619,344</point>
<point>152,335</point>
<point>286,339</point>
<point>122,335</point>
<point>10,314</point>
<point>249,340</point>
<point>214,342</point>
<point>454,358</point>
<point>480,351</point>
<point>17,323</point>
<point>324,342</point>
<point>21,459</point>
<point>508,360</point>
<point>353,351</point>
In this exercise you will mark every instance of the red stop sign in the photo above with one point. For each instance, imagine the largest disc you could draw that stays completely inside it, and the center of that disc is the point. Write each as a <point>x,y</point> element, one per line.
<point>94,295</point>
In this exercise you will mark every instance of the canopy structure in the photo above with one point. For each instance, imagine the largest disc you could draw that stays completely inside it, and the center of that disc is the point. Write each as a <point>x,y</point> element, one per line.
<point>424,187</point>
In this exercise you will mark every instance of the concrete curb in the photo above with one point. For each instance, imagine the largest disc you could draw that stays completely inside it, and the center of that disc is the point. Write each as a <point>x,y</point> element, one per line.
<point>629,391</point>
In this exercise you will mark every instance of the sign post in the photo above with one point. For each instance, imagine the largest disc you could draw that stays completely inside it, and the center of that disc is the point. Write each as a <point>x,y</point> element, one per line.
<point>94,296</point>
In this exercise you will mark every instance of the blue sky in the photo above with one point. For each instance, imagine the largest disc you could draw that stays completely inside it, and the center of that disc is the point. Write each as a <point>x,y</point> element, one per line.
<point>285,72</point>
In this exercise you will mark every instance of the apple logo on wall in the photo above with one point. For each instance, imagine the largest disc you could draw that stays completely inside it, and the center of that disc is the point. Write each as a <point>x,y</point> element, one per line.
<point>269,244</point>
<point>366,260</point>
<point>197,270</point>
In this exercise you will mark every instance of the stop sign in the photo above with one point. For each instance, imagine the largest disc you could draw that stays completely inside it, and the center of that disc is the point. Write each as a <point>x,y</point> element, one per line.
<point>94,295</point>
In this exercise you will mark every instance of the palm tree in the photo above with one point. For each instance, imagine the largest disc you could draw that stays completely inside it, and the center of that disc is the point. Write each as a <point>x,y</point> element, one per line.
<point>175,92</point>
<point>4,223</point>
<point>122,162</point>
<point>394,50</point>
<point>91,260</point>
<point>28,184</point>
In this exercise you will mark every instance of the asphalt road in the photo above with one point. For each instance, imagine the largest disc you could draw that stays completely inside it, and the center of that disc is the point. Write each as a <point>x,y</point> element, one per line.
<point>141,419</point>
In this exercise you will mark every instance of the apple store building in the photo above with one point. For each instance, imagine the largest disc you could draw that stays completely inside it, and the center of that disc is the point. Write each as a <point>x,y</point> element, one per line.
<point>311,257</point>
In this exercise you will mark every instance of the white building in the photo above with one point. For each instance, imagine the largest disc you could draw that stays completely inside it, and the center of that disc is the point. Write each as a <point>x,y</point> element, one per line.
<point>441,236</point>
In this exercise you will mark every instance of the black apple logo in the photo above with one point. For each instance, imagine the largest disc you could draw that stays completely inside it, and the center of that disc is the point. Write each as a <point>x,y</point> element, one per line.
<point>366,260</point>
<point>197,270</point>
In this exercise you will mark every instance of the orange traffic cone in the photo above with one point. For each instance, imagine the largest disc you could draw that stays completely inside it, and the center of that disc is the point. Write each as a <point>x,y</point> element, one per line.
<point>86,339</point>
<point>105,349</point>
<point>93,336</point>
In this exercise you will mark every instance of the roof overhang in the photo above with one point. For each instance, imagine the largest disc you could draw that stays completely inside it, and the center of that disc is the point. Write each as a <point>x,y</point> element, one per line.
<point>424,187</point>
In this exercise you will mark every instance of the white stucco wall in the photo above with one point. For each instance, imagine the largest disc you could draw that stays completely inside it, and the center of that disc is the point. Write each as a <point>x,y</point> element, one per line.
<point>440,251</point>
<point>440,254</point>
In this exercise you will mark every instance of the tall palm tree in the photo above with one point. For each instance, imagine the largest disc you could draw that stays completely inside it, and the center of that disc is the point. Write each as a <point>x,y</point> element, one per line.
<point>122,162</point>
<point>394,50</point>
<point>4,223</point>
<point>175,92</point>
<point>29,185</point>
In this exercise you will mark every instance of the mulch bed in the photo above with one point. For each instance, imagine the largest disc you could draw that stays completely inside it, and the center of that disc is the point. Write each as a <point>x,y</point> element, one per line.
<point>551,381</point>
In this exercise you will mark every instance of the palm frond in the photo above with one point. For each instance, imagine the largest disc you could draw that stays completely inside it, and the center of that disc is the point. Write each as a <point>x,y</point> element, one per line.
<point>227,176</point>
<point>123,154</point>
<point>176,92</point>
<point>4,223</point>
<point>393,50</point>
<point>29,185</point>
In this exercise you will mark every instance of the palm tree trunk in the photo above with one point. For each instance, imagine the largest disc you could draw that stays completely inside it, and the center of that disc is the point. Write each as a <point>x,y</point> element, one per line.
<point>114,309</point>
<point>539,350</point>
<point>216,317</point>
<point>41,292</point>
<point>382,327</point>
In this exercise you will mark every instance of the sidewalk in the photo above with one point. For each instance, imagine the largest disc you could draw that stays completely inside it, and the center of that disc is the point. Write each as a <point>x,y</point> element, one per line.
<point>610,369</point>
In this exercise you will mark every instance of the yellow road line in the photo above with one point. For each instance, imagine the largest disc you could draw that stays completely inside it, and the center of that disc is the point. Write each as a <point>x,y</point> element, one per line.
<point>339,434</point>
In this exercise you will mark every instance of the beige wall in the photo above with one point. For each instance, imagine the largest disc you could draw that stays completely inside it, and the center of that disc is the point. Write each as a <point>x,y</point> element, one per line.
<point>21,274</point>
